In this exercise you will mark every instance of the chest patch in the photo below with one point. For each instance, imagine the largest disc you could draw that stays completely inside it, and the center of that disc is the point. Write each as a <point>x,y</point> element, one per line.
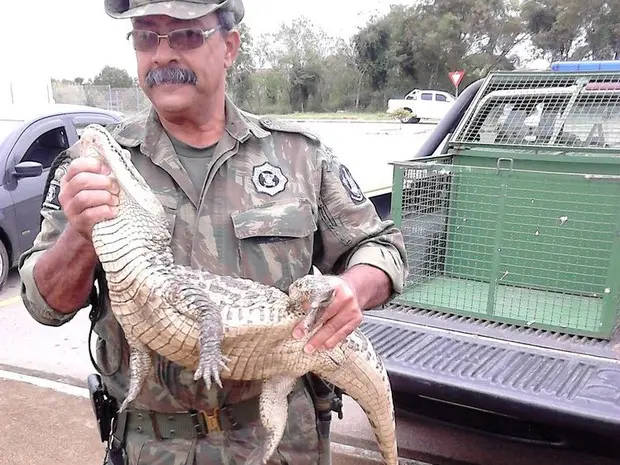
<point>269,179</point>
<point>352,188</point>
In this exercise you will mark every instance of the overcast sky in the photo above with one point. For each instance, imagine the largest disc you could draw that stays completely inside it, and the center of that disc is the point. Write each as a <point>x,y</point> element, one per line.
<point>70,38</point>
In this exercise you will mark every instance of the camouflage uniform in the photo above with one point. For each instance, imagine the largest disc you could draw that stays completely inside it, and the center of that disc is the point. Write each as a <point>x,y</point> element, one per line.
<point>276,202</point>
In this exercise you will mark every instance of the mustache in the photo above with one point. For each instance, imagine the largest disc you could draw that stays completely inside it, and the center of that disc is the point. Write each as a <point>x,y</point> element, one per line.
<point>170,75</point>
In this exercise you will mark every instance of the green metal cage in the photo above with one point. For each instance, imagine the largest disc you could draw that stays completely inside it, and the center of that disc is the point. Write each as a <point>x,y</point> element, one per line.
<point>527,235</point>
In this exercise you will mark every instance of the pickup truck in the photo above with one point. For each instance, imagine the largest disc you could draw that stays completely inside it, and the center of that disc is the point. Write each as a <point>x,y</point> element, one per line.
<point>504,347</point>
<point>421,104</point>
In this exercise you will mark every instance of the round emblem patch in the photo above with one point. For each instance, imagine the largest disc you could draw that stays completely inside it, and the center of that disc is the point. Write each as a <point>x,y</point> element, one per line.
<point>269,179</point>
<point>352,188</point>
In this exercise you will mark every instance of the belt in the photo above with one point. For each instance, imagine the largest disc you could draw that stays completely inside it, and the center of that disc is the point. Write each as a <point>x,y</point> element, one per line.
<point>192,424</point>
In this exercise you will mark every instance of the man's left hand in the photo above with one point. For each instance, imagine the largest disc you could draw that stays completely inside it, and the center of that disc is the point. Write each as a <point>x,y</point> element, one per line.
<point>340,318</point>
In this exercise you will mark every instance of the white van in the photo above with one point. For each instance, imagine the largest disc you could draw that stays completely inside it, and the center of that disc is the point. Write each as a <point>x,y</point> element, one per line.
<point>422,104</point>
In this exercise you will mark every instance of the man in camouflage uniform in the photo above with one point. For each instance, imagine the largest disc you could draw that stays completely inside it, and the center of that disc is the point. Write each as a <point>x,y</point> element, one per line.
<point>245,196</point>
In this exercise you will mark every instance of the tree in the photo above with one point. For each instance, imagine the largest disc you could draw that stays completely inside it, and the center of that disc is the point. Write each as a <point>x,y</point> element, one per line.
<point>240,76</point>
<point>113,77</point>
<point>299,51</point>
<point>557,27</point>
<point>372,46</point>
<point>603,30</point>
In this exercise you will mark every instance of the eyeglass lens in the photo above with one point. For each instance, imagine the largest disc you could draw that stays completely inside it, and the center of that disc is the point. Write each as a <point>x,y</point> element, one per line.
<point>181,39</point>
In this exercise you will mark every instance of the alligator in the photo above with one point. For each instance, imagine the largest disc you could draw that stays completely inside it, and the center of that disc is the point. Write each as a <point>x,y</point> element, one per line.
<point>223,327</point>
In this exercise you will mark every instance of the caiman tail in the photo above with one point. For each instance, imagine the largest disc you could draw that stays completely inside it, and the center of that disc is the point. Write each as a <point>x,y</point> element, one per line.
<point>364,378</point>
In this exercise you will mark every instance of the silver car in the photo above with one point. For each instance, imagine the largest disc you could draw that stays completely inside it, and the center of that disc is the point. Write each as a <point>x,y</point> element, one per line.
<point>29,142</point>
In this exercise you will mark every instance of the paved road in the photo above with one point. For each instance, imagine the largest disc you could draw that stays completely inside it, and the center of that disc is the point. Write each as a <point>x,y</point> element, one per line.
<point>368,148</point>
<point>55,428</point>
<point>61,351</point>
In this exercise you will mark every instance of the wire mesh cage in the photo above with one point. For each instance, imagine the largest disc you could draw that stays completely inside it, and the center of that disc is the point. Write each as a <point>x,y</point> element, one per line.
<point>536,248</point>
<point>545,109</point>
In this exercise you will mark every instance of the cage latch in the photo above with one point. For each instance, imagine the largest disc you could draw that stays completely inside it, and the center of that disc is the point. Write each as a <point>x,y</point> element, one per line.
<point>501,164</point>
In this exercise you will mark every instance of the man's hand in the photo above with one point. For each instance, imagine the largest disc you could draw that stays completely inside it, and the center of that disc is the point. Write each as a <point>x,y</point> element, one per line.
<point>88,195</point>
<point>340,318</point>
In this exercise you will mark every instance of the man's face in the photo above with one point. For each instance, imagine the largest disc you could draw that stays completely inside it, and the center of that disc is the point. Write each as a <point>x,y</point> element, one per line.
<point>174,79</point>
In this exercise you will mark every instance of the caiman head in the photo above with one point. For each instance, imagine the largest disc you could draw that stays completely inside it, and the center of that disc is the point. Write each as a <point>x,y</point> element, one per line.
<point>98,143</point>
<point>312,294</point>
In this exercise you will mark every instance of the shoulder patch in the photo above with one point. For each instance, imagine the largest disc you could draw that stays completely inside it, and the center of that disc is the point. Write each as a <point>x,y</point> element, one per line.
<point>290,127</point>
<point>350,185</point>
<point>51,198</point>
<point>52,192</point>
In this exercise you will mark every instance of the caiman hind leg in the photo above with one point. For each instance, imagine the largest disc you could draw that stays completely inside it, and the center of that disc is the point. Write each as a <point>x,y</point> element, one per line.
<point>273,414</point>
<point>140,362</point>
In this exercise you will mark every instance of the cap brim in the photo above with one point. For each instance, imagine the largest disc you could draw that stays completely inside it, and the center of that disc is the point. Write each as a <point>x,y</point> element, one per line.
<point>173,9</point>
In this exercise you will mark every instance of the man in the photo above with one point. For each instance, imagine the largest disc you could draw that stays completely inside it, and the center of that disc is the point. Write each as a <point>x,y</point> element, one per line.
<point>246,197</point>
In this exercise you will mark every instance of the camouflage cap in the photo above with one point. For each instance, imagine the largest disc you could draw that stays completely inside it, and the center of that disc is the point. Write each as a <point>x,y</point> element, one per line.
<point>180,9</point>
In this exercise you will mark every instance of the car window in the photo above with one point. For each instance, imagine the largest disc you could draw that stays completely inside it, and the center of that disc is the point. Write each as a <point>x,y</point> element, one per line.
<point>441,98</point>
<point>427,96</point>
<point>47,147</point>
<point>80,128</point>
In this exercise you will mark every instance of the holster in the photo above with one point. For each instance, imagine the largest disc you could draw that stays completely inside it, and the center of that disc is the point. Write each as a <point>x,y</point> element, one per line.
<point>109,422</point>
<point>327,399</point>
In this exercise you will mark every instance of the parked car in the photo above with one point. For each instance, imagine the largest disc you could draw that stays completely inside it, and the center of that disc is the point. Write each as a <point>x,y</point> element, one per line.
<point>421,104</point>
<point>30,140</point>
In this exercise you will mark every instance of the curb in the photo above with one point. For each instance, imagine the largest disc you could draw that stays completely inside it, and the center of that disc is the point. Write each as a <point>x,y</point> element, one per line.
<point>46,383</point>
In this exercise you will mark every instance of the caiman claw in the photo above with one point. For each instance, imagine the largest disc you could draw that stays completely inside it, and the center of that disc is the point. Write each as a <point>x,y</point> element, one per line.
<point>209,368</point>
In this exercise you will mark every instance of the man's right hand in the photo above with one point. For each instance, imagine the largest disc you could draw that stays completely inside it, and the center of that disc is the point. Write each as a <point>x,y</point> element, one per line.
<point>88,195</point>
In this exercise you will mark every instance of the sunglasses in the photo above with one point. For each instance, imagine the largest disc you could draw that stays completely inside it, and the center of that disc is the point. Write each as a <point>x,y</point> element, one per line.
<point>180,39</point>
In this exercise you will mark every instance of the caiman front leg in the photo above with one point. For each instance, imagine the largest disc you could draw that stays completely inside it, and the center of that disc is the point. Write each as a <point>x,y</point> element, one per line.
<point>140,363</point>
<point>211,359</point>
<point>190,298</point>
<point>273,414</point>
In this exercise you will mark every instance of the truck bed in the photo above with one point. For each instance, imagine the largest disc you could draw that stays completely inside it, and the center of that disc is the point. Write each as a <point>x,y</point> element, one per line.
<point>521,385</point>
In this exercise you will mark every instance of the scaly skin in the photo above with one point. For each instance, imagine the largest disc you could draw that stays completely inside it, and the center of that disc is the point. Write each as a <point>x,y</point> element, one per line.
<point>207,322</point>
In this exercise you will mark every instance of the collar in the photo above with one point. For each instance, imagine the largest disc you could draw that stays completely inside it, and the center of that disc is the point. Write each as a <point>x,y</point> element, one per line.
<point>240,125</point>
<point>146,131</point>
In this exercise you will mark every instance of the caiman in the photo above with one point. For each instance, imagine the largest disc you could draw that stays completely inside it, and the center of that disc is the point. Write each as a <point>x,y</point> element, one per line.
<point>222,327</point>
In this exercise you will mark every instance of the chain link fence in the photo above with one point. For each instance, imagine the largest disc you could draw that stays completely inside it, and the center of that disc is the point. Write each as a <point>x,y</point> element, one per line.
<point>128,100</point>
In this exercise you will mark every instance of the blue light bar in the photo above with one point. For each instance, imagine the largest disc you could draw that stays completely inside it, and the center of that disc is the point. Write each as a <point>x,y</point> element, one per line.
<point>576,66</point>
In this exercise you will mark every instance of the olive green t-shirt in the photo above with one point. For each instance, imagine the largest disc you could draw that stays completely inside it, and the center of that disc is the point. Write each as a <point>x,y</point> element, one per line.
<point>196,160</point>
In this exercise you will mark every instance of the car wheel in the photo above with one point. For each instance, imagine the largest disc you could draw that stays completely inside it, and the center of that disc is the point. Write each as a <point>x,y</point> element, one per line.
<point>4,265</point>
<point>409,118</point>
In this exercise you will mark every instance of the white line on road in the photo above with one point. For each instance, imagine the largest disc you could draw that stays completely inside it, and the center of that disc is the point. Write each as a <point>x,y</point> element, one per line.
<point>10,301</point>
<point>45,383</point>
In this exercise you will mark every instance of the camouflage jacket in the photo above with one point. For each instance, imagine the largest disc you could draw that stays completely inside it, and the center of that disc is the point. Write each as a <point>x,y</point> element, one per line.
<point>276,201</point>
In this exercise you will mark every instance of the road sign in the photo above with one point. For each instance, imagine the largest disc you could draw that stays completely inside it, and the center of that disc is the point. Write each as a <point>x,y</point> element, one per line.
<point>456,77</point>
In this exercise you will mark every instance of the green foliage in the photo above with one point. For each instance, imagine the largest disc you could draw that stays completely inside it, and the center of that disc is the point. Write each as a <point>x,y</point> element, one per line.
<point>603,30</point>
<point>299,68</point>
<point>241,85</point>
<point>113,77</point>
